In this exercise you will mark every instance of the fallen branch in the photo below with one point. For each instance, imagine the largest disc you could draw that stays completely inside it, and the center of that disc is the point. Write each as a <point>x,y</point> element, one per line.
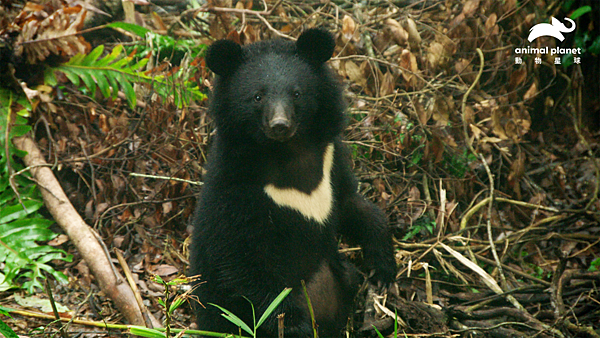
<point>79,232</point>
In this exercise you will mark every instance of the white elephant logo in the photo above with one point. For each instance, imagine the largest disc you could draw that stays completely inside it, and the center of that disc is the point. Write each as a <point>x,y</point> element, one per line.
<point>551,29</point>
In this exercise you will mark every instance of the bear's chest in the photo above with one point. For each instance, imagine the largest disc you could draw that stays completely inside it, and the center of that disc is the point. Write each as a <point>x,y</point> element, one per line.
<point>314,201</point>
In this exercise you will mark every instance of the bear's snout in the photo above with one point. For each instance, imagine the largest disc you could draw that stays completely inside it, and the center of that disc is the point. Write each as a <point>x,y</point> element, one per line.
<point>279,124</point>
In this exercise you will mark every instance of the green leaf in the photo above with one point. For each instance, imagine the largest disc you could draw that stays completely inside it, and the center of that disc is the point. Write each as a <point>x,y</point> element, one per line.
<point>6,331</point>
<point>37,222</point>
<point>274,304</point>
<point>23,261</point>
<point>580,11</point>
<point>114,85</point>
<point>13,212</point>
<point>23,237</point>
<point>140,64</point>
<point>128,90</point>
<point>19,130</point>
<point>4,285</point>
<point>135,29</point>
<point>234,319</point>
<point>594,265</point>
<point>93,56</point>
<point>379,335</point>
<point>595,47</point>
<point>103,84</point>
<point>117,71</point>
<point>77,59</point>
<point>146,332</point>
<point>74,78</point>
<point>110,57</point>
<point>176,304</point>
<point>89,81</point>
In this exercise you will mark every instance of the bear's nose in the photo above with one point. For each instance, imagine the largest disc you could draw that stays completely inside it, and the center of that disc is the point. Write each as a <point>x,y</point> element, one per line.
<point>280,122</point>
<point>280,126</point>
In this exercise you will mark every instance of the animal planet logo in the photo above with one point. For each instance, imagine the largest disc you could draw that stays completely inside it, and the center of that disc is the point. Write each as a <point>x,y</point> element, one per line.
<point>554,29</point>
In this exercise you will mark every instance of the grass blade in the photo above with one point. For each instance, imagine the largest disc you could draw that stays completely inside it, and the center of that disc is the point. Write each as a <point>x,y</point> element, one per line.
<point>273,305</point>
<point>234,319</point>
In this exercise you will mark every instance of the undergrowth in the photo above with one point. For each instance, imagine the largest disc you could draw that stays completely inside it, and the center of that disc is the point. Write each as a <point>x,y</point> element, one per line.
<point>21,223</point>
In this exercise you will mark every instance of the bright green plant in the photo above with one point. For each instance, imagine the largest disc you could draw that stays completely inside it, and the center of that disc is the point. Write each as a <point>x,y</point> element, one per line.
<point>109,74</point>
<point>588,41</point>
<point>21,225</point>
<point>241,324</point>
<point>6,331</point>
<point>380,335</point>
<point>595,265</point>
<point>117,71</point>
<point>420,225</point>
<point>162,47</point>
<point>180,83</point>
<point>169,306</point>
<point>458,165</point>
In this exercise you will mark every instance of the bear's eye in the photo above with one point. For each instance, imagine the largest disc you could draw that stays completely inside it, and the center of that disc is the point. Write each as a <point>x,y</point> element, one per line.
<point>296,94</point>
<point>257,97</point>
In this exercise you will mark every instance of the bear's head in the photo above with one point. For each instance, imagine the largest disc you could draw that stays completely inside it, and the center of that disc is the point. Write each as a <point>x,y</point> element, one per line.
<point>276,91</point>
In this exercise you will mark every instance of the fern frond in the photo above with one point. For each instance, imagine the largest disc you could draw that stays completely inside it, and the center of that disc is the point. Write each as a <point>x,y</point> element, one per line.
<point>110,73</point>
<point>115,72</point>
<point>22,259</point>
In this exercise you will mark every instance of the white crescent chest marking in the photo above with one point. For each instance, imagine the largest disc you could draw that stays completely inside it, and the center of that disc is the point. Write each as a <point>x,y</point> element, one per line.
<point>316,205</point>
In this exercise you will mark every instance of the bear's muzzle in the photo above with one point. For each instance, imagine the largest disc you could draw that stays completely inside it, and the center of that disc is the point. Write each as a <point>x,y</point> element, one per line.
<point>280,124</point>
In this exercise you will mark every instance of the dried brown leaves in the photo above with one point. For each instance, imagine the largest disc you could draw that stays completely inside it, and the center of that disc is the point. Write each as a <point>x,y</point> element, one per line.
<point>46,31</point>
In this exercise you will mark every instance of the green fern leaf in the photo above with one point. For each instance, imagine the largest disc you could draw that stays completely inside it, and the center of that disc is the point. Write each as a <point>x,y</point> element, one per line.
<point>114,54</point>
<point>115,72</point>
<point>92,57</point>
<point>135,29</point>
<point>22,227</point>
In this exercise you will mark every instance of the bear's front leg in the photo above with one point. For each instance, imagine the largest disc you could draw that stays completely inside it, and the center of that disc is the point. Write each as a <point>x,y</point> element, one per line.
<point>365,224</point>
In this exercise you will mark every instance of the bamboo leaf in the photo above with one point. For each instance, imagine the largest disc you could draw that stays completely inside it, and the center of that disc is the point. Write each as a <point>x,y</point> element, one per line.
<point>580,11</point>
<point>274,304</point>
<point>234,319</point>
<point>146,332</point>
<point>6,331</point>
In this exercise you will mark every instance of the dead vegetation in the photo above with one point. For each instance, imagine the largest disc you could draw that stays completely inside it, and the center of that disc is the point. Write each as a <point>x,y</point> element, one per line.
<point>492,195</point>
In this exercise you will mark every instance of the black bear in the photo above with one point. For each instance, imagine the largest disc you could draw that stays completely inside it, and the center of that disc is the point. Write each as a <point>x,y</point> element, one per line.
<point>279,190</point>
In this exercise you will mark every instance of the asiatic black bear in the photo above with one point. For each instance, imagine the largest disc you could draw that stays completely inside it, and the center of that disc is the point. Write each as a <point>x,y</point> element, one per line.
<point>279,191</point>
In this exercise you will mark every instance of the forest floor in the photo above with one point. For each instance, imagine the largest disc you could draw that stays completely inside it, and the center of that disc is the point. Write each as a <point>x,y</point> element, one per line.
<point>492,195</point>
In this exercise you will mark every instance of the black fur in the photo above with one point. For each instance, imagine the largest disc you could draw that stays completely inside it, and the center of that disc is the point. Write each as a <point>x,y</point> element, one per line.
<point>246,246</point>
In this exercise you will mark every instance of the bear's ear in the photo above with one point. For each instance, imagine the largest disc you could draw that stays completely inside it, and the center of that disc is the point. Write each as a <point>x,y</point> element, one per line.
<point>223,57</point>
<point>315,46</point>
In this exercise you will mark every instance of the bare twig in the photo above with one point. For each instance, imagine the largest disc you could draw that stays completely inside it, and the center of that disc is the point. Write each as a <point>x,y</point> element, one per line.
<point>133,286</point>
<point>166,178</point>
<point>510,298</point>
